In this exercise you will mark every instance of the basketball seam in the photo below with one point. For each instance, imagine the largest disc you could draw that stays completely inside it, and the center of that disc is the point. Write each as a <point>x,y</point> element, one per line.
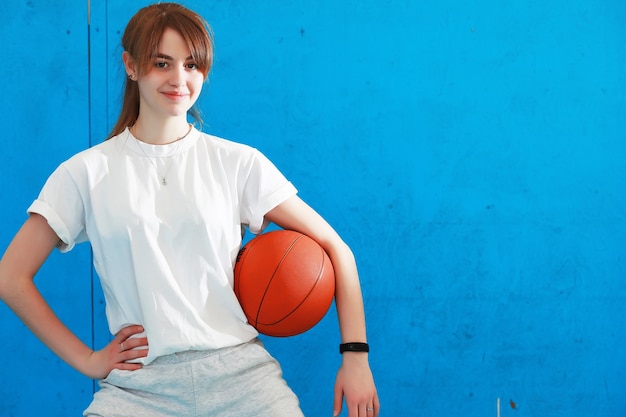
<point>269,284</point>
<point>317,280</point>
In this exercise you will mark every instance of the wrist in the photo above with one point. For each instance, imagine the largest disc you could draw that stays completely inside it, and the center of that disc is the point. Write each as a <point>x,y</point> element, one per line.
<point>354,359</point>
<point>354,347</point>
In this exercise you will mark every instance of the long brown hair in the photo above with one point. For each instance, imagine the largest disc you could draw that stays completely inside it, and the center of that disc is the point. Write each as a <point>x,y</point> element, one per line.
<point>141,40</point>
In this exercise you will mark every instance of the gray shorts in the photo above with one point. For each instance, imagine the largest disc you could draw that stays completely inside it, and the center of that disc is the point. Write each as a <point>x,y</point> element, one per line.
<point>239,381</point>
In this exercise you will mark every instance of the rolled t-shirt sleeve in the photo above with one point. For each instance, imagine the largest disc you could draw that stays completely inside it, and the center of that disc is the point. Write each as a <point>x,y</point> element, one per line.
<point>61,204</point>
<point>264,187</point>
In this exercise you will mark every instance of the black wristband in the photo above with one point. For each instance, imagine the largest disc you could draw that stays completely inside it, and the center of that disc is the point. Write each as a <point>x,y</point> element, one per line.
<point>354,347</point>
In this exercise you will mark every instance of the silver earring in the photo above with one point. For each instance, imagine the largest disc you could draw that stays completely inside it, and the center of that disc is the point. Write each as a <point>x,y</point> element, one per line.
<point>131,77</point>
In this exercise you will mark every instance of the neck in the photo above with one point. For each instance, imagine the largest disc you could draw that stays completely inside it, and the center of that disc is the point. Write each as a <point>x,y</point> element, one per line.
<point>160,132</point>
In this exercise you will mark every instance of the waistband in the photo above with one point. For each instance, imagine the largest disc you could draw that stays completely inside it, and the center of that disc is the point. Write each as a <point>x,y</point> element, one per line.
<point>194,355</point>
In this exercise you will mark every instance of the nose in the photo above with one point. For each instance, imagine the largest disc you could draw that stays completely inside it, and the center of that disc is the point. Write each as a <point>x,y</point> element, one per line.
<point>177,75</point>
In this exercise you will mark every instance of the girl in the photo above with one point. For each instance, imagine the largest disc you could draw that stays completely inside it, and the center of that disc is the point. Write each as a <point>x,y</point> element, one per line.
<point>163,205</point>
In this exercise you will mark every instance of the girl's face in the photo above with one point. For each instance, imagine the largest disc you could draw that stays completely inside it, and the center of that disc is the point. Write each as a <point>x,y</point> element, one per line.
<point>173,84</point>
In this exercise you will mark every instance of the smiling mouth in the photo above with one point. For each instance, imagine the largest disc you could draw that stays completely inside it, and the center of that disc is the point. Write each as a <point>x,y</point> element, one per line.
<point>175,96</point>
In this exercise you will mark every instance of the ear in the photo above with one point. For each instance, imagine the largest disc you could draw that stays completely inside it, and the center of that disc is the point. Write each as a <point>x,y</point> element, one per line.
<point>129,65</point>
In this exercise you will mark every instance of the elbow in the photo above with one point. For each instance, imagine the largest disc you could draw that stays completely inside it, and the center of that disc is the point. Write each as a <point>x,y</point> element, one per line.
<point>9,286</point>
<point>339,252</point>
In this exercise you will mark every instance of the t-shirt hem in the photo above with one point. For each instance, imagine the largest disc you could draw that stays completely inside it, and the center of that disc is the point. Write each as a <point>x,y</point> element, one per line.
<point>55,222</point>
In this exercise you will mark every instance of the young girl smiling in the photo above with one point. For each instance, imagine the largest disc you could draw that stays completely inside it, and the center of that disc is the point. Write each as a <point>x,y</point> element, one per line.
<point>163,206</point>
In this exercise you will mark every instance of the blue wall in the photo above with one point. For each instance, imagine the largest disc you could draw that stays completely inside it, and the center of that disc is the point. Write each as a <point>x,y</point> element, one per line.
<point>44,117</point>
<point>471,153</point>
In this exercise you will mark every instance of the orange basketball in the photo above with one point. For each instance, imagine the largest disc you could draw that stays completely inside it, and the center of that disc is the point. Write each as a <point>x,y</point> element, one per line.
<point>285,282</point>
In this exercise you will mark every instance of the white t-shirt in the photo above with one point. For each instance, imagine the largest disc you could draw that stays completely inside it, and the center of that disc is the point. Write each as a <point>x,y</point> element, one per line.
<point>165,253</point>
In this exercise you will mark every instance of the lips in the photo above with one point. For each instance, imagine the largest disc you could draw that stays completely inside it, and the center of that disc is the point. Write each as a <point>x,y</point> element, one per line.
<point>175,95</point>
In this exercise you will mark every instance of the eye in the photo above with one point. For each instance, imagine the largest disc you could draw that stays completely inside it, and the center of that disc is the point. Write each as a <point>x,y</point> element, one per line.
<point>192,66</point>
<point>160,64</point>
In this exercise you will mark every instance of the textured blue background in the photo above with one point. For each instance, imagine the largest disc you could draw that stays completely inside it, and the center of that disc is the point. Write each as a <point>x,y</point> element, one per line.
<point>471,153</point>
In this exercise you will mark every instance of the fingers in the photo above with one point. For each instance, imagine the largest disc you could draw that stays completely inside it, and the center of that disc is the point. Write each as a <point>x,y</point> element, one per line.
<point>128,366</point>
<point>128,347</point>
<point>133,343</point>
<point>368,411</point>
<point>126,339</point>
<point>372,410</point>
<point>338,400</point>
<point>363,407</point>
<point>129,331</point>
<point>133,349</point>
<point>361,410</point>
<point>366,408</point>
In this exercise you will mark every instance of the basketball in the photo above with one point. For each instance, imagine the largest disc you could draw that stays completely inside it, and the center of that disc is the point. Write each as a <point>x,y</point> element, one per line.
<point>285,282</point>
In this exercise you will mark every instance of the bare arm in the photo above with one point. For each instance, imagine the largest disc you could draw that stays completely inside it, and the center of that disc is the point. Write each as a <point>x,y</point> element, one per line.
<point>354,380</point>
<point>23,258</point>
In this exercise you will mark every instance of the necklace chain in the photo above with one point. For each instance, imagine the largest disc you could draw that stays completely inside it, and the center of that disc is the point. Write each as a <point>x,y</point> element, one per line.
<point>163,178</point>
